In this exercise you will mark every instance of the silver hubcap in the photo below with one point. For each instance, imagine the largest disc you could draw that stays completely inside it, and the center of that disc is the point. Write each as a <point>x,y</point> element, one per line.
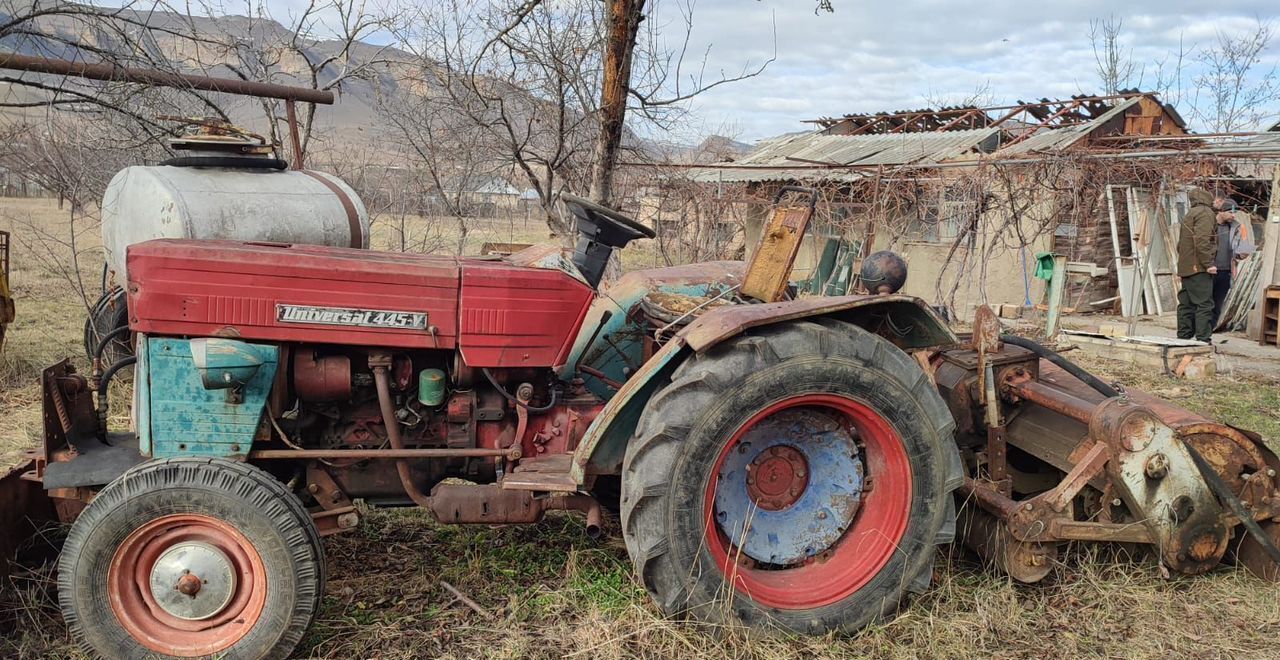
<point>193,580</point>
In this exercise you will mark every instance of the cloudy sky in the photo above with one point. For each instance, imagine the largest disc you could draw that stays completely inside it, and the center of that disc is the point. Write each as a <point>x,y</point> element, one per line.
<point>869,56</point>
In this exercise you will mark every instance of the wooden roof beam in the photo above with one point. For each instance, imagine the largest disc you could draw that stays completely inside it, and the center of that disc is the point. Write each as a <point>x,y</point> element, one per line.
<point>954,122</point>
<point>1043,124</point>
<point>902,127</point>
<point>866,127</point>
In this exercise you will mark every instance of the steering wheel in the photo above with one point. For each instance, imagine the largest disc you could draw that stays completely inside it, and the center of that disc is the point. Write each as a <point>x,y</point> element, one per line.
<point>609,217</point>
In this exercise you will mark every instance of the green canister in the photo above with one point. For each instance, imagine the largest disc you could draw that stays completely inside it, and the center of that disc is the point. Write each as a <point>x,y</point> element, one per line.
<point>431,387</point>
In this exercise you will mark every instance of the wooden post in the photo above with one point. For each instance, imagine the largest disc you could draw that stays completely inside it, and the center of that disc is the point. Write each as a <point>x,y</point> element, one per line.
<point>1057,285</point>
<point>1270,269</point>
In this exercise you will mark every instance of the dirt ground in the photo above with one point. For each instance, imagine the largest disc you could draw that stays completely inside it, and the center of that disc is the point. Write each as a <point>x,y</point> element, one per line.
<point>549,591</point>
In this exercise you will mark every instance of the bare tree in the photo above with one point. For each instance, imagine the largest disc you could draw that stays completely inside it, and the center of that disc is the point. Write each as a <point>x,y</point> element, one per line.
<point>640,69</point>
<point>980,96</point>
<point>119,36</point>
<point>321,46</point>
<point>1170,71</point>
<point>448,156</point>
<point>1113,61</point>
<point>525,75</point>
<point>74,163</point>
<point>1235,88</point>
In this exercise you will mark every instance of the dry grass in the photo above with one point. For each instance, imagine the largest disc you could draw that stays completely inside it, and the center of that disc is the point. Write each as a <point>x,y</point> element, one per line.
<point>554,592</point>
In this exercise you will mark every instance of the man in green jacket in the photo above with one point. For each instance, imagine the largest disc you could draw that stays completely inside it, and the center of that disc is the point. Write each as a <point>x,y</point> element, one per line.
<point>1197,246</point>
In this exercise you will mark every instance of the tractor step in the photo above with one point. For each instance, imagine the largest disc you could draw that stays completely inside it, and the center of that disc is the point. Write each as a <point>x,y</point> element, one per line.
<point>550,473</point>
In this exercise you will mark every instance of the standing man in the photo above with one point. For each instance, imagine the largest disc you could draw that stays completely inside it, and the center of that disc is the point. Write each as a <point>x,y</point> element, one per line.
<point>1197,248</point>
<point>1234,243</point>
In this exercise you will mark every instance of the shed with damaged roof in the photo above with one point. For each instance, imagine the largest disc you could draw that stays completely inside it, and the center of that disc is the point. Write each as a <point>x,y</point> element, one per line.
<point>970,195</point>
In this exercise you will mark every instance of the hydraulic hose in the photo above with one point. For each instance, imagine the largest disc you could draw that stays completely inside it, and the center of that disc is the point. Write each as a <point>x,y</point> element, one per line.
<point>383,384</point>
<point>103,404</point>
<point>111,372</point>
<point>106,339</point>
<point>1067,365</point>
<point>555,395</point>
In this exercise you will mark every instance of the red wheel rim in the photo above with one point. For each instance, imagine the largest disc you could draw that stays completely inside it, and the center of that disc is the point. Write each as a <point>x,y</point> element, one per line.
<point>865,546</point>
<point>143,617</point>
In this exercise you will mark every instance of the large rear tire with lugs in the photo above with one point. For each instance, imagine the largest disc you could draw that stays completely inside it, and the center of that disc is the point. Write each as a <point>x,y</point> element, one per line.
<point>191,557</point>
<point>798,477</point>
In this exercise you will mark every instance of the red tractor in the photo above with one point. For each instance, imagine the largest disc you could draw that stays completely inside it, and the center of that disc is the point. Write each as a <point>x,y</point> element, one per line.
<point>775,461</point>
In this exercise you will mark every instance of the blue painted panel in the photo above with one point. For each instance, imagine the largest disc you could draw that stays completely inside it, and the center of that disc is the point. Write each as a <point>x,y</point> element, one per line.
<point>617,350</point>
<point>185,419</point>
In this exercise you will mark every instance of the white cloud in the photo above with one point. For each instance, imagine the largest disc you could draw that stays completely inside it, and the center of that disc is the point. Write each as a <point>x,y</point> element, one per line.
<point>888,56</point>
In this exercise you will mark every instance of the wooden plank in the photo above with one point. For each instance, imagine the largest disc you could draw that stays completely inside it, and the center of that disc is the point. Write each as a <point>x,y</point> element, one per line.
<point>1163,223</point>
<point>1151,290</point>
<point>1126,271</point>
<point>771,264</point>
<point>1115,248</point>
<point>1137,226</point>
<point>1151,355</point>
<point>1270,256</point>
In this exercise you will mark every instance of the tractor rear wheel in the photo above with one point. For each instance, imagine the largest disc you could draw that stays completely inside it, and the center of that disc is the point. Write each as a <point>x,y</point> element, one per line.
<point>798,478</point>
<point>190,557</point>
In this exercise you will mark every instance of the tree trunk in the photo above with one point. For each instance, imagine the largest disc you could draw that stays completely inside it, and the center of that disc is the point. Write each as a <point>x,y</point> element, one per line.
<point>622,22</point>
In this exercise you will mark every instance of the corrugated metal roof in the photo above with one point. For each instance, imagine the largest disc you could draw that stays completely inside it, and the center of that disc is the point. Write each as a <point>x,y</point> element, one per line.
<point>784,157</point>
<point>764,174</point>
<point>1057,139</point>
<point>776,159</point>
<point>1262,166</point>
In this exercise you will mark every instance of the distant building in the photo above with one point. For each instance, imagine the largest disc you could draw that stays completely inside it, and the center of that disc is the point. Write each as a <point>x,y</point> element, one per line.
<point>971,195</point>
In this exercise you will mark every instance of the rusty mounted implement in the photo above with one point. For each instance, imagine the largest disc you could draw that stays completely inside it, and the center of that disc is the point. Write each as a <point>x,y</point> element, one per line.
<point>1055,455</point>
<point>774,460</point>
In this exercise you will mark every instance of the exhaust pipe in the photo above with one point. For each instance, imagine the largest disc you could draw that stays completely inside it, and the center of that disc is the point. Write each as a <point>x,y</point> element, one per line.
<point>491,504</point>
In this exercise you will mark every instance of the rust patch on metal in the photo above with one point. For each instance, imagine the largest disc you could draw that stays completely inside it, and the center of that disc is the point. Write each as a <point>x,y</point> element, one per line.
<point>679,305</point>
<point>492,504</point>
<point>24,506</point>
<point>1026,562</point>
<point>986,331</point>
<point>1254,557</point>
<point>776,478</point>
<point>774,257</point>
<point>719,324</point>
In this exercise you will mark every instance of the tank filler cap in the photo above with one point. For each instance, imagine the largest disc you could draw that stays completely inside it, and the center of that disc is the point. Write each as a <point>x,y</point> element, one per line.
<point>221,137</point>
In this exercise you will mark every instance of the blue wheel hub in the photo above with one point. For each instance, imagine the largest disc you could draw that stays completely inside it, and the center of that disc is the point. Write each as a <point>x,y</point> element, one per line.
<point>790,486</point>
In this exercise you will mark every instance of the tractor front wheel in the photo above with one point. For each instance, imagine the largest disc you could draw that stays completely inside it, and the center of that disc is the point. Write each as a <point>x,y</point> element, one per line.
<point>191,557</point>
<point>799,478</point>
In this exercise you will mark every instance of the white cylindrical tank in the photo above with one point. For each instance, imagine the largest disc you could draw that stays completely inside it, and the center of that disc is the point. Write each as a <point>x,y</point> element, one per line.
<point>285,206</point>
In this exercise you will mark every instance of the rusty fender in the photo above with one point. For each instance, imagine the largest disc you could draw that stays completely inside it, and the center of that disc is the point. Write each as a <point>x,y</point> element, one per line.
<point>24,508</point>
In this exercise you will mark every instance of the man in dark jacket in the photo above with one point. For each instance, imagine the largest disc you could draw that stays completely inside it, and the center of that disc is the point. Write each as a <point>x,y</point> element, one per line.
<point>1197,247</point>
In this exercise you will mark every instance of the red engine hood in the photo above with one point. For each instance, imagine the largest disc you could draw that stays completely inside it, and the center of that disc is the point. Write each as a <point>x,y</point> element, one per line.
<point>496,314</point>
